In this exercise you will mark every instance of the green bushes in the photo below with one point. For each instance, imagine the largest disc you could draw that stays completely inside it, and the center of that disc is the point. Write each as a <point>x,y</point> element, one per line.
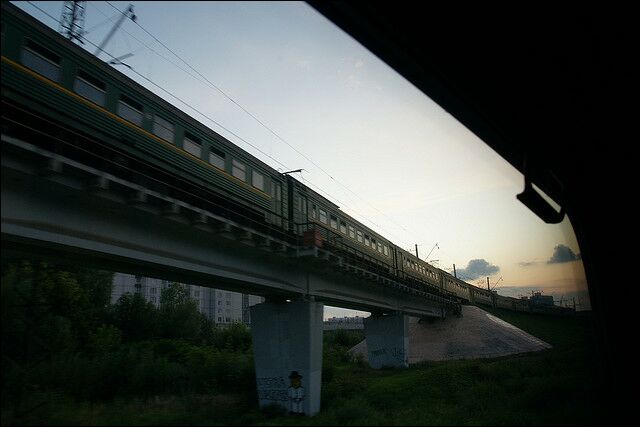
<point>116,366</point>
<point>145,369</point>
<point>342,338</point>
<point>61,336</point>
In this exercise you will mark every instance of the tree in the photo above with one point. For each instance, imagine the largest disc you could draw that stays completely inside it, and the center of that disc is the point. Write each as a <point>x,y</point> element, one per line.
<point>135,317</point>
<point>179,315</point>
<point>47,310</point>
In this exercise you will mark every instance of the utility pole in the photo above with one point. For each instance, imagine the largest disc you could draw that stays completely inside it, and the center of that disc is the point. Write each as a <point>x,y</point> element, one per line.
<point>72,20</point>
<point>488,288</point>
<point>127,14</point>
<point>454,271</point>
<point>417,251</point>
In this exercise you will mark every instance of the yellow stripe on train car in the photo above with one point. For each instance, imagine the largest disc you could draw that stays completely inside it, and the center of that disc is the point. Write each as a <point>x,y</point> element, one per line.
<point>108,113</point>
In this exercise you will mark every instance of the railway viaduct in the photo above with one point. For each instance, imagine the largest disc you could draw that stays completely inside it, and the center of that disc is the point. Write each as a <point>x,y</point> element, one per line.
<point>58,208</point>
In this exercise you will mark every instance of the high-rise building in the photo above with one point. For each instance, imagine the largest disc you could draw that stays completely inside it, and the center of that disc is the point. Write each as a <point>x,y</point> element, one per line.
<point>222,307</point>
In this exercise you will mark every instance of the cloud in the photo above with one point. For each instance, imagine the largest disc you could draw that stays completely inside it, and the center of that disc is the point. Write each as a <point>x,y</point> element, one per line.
<point>562,253</point>
<point>478,268</point>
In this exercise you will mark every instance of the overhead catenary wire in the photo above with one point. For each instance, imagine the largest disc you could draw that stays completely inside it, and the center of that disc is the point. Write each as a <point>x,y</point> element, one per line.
<point>237,136</point>
<point>253,116</point>
<point>151,49</point>
<point>214,121</point>
<point>43,11</point>
<point>194,109</point>
<point>95,27</point>
<point>317,188</point>
<point>172,95</point>
<point>217,123</point>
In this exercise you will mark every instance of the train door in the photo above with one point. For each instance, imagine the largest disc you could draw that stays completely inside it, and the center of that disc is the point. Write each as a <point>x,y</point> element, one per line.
<point>395,260</point>
<point>304,210</point>
<point>297,205</point>
<point>278,203</point>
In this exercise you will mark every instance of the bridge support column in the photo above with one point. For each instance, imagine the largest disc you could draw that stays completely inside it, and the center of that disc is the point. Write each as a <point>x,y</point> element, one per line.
<point>287,349</point>
<point>387,340</point>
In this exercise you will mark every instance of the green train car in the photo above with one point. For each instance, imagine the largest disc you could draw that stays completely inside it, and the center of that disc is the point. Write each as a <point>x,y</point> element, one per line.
<point>61,86</point>
<point>62,98</point>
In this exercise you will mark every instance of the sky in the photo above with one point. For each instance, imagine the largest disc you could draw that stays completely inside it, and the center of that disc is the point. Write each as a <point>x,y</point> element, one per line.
<point>285,84</point>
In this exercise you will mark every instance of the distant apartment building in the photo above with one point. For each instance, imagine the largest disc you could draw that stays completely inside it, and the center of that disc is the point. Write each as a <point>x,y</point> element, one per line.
<point>222,307</point>
<point>346,322</point>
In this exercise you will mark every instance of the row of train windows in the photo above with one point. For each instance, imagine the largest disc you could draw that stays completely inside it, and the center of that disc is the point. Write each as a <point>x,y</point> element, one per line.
<point>349,230</point>
<point>346,229</point>
<point>47,63</point>
<point>409,263</point>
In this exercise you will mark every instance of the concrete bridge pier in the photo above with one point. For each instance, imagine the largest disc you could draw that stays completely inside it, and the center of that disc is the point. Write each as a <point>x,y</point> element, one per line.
<point>287,348</point>
<point>387,337</point>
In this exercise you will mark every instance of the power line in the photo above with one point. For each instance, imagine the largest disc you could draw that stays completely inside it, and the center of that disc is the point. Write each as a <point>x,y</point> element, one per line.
<point>236,135</point>
<point>95,27</point>
<point>212,84</point>
<point>150,48</point>
<point>259,121</point>
<point>55,19</point>
<point>193,108</point>
<point>210,119</point>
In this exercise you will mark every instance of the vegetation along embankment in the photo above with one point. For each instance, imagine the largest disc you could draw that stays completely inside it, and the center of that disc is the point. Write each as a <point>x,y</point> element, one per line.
<point>69,357</point>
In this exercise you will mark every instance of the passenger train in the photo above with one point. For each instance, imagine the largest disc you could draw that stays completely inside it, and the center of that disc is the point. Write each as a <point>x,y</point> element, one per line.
<point>79,106</point>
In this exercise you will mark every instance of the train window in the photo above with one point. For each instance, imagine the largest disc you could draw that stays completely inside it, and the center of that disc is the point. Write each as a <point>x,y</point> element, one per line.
<point>343,227</point>
<point>163,128</point>
<point>367,240</point>
<point>41,60</point>
<point>323,216</point>
<point>352,232</point>
<point>385,250</point>
<point>192,145</point>
<point>257,180</point>
<point>359,236</point>
<point>303,202</point>
<point>314,211</point>
<point>334,222</point>
<point>130,110</point>
<point>216,157</point>
<point>239,170</point>
<point>379,247</point>
<point>89,87</point>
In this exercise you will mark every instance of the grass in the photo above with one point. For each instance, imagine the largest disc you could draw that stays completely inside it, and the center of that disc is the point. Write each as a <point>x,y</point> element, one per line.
<point>556,386</point>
